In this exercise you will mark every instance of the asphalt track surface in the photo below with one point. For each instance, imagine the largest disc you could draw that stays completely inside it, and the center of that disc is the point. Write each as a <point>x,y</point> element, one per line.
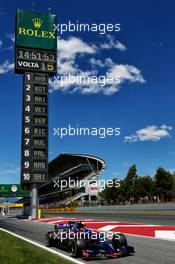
<point>154,218</point>
<point>148,250</point>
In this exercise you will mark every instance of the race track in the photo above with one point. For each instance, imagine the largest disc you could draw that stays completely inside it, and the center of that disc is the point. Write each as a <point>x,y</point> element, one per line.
<point>148,250</point>
<point>156,218</point>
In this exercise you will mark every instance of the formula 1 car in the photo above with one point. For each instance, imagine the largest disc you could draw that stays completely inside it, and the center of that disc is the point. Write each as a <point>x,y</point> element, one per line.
<point>81,242</point>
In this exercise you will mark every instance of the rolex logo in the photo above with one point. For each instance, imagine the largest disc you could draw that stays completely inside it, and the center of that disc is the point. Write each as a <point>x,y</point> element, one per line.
<point>37,22</point>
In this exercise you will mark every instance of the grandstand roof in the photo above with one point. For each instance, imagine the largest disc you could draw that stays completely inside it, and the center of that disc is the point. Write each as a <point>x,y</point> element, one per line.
<point>66,162</point>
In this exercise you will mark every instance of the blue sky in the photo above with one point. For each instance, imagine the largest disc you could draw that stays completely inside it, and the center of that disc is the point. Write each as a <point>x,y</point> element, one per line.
<point>143,56</point>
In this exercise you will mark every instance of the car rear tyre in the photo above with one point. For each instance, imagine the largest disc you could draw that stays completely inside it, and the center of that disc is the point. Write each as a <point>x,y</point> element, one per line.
<point>76,247</point>
<point>119,241</point>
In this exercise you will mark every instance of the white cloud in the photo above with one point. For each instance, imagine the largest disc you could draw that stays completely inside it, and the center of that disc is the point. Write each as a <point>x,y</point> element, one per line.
<point>150,133</point>
<point>66,66</point>
<point>11,37</point>
<point>95,62</point>
<point>126,73</point>
<point>72,49</point>
<point>73,46</point>
<point>120,46</point>
<point>6,66</point>
<point>111,43</point>
<point>68,50</point>
<point>122,72</point>
<point>109,63</point>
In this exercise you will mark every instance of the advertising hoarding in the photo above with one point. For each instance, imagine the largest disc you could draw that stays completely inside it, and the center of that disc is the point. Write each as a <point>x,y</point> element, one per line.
<point>35,30</point>
<point>12,190</point>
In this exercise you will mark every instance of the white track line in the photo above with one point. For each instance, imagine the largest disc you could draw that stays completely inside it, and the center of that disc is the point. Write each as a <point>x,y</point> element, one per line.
<point>53,222</point>
<point>43,247</point>
<point>101,222</point>
<point>45,220</point>
<point>107,228</point>
<point>165,234</point>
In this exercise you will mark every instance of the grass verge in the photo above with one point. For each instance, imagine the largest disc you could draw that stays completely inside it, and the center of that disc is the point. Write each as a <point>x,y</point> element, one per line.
<point>16,251</point>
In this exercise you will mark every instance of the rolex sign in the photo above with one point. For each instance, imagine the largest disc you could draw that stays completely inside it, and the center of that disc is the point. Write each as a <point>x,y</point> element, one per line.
<point>35,30</point>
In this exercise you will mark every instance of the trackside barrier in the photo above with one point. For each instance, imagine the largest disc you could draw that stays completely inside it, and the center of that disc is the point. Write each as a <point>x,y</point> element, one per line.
<point>39,214</point>
<point>58,210</point>
<point>13,205</point>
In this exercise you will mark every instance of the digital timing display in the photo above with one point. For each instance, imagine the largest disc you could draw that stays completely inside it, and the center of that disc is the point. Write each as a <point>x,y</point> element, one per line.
<point>39,142</point>
<point>40,109</point>
<point>40,99</point>
<point>40,131</point>
<point>28,59</point>
<point>37,55</point>
<point>40,89</point>
<point>34,161</point>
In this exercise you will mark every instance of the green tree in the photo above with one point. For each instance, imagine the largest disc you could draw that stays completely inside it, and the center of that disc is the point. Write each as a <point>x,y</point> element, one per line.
<point>129,183</point>
<point>164,183</point>
<point>173,188</point>
<point>144,186</point>
<point>111,192</point>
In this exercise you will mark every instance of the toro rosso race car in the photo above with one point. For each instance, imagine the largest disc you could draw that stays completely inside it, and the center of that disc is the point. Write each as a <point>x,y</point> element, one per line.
<point>81,242</point>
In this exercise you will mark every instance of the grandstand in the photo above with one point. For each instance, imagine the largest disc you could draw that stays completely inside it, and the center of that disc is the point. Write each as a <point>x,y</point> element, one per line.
<point>77,172</point>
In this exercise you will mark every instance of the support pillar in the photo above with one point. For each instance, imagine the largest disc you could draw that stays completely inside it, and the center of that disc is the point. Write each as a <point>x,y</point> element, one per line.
<point>34,201</point>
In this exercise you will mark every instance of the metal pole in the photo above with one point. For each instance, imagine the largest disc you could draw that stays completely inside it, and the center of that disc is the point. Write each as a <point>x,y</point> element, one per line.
<point>90,199</point>
<point>34,201</point>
